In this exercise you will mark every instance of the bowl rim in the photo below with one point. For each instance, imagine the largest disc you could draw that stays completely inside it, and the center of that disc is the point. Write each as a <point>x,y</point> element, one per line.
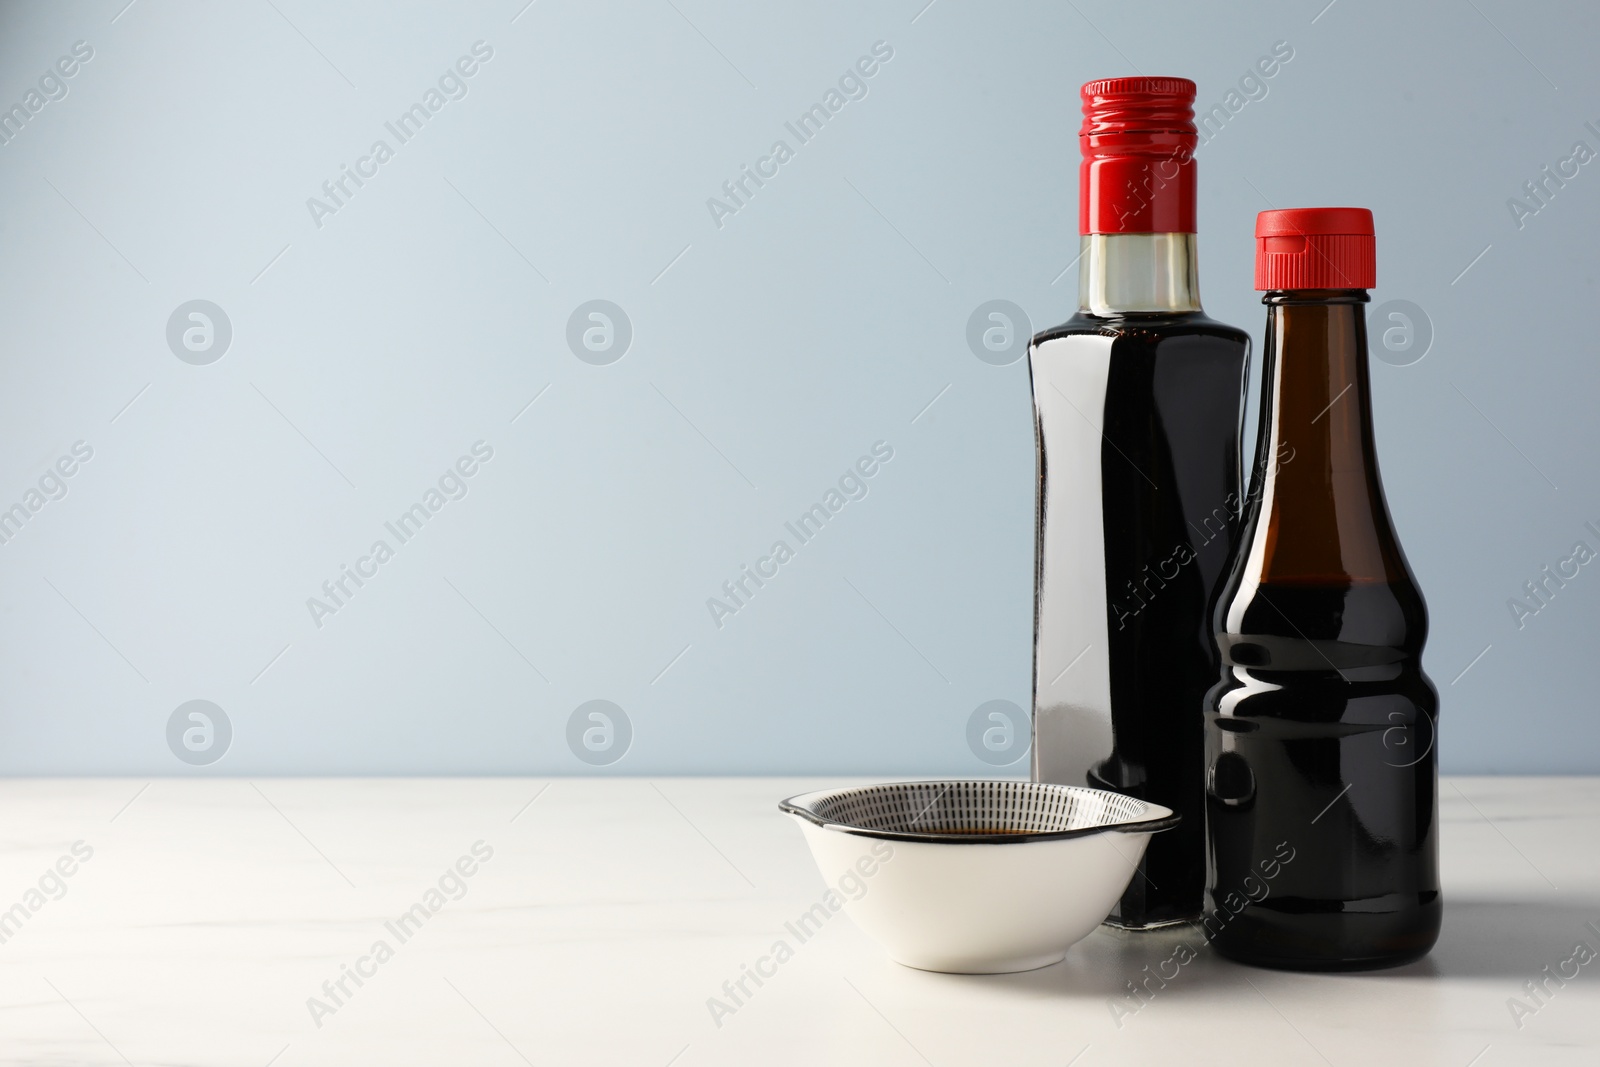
<point>1155,817</point>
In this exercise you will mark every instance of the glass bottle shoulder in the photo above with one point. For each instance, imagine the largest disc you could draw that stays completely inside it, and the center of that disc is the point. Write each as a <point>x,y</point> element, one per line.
<point>1145,326</point>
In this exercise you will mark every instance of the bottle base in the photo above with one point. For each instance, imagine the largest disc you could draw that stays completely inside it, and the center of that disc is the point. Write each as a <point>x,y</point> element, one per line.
<point>1134,926</point>
<point>1302,940</point>
<point>1323,965</point>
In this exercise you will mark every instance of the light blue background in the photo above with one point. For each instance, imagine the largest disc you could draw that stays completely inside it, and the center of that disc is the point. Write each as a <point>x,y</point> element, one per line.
<point>767,356</point>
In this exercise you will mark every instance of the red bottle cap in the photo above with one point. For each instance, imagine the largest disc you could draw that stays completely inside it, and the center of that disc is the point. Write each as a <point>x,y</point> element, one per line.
<point>1138,140</point>
<point>1315,248</point>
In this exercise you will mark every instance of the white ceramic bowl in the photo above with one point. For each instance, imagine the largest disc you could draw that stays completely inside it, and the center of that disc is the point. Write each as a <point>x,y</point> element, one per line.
<point>975,877</point>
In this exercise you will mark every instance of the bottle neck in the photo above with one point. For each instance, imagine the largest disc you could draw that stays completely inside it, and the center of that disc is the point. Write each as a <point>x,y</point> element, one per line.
<point>1137,272</point>
<point>1316,495</point>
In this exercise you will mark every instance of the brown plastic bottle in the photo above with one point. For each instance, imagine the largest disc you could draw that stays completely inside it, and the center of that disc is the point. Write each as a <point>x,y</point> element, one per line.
<point>1322,781</point>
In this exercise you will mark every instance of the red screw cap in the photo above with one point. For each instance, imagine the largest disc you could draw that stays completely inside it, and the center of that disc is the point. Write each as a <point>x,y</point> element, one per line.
<point>1315,248</point>
<point>1138,140</point>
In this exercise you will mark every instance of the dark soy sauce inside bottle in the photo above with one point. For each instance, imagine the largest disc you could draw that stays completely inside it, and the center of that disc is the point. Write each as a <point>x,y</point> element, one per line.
<point>1321,734</point>
<point>1170,411</point>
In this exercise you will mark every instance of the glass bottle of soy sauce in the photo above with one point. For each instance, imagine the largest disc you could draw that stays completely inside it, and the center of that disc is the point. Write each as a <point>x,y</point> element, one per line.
<point>1139,408</point>
<point>1322,781</point>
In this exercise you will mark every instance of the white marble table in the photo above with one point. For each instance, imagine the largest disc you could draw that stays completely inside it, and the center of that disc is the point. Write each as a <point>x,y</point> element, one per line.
<point>211,911</point>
